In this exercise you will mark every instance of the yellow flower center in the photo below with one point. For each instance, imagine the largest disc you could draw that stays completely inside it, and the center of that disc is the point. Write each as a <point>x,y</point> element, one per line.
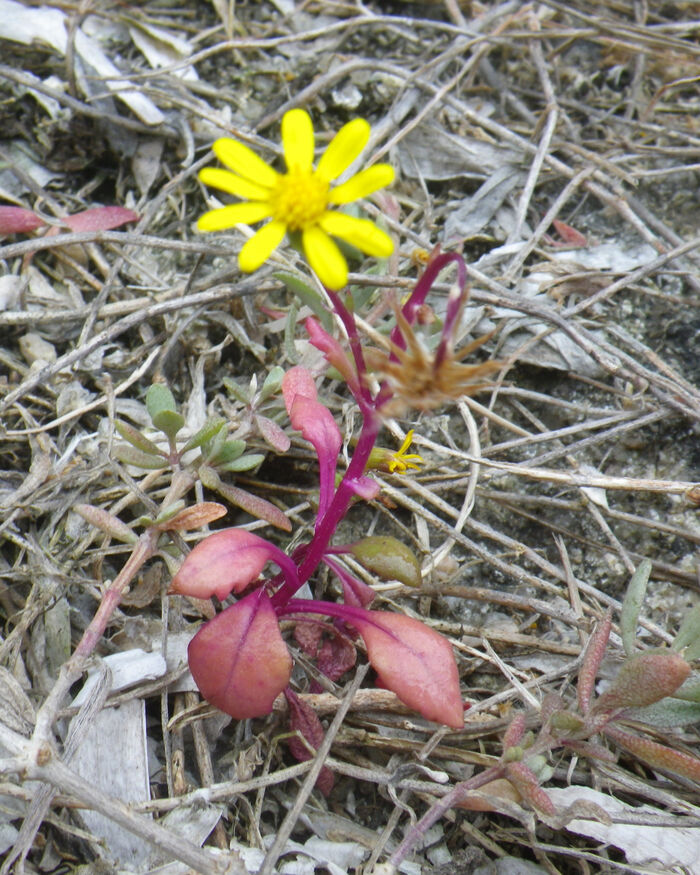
<point>299,199</point>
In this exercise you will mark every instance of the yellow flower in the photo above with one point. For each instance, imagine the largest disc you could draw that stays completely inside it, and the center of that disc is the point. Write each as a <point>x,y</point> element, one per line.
<point>300,199</point>
<point>396,462</point>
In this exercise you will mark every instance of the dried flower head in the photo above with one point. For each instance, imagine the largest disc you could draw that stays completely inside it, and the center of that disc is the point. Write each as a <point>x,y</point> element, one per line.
<point>416,378</point>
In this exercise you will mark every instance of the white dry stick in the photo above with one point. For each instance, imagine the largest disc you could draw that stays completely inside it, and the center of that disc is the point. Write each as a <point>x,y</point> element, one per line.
<point>469,496</point>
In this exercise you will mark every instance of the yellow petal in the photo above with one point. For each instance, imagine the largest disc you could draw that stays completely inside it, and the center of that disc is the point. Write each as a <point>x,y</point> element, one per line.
<point>342,150</point>
<point>298,139</point>
<point>261,246</point>
<point>358,232</point>
<point>362,184</point>
<point>227,217</point>
<point>406,442</point>
<point>325,258</point>
<point>244,162</point>
<point>227,181</point>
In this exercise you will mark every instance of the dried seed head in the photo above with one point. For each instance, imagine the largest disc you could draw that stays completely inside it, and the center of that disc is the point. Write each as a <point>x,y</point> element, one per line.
<point>419,379</point>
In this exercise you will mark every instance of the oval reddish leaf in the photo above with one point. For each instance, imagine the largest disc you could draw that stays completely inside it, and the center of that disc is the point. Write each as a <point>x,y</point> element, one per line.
<point>224,562</point>
<point>304,719</point>
<point>100,219</point>
<point>414,661</point>
<point>18,220</point>
<point>239,660</point>
<point>298,381</point>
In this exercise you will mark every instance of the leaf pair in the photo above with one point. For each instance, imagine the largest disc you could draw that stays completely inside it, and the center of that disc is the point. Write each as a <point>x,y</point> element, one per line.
<point>241,663</point>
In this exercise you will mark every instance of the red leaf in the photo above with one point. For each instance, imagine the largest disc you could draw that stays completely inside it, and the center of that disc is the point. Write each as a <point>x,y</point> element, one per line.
<point>337,655</point>
<point>298,381</point>
<point>570,235</point>
<point>18,220</point>
<point>100,219</point>
<point>644,679</point>
<point>500,789</point>
<point>334,353</point>
<point>356,592</point>
<point>525,782</point>
<point>239,660</point>
<point>308,637</point>
<point>224,562</point>
<point>255,506</point>
<point>414,661</point>
<point>658,756</point>
<point>316,424</point>
<point>272,433</point>
<point>304,719</point>
<point>592,658</point>
<point>515,731</point>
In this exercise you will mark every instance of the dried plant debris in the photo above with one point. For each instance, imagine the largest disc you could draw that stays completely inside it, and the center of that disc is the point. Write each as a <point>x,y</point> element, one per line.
<point>532,498</point>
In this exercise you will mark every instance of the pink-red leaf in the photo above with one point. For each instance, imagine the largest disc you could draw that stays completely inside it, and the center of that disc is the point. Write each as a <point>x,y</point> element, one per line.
<point>658,756</point>
<point>18,220</point>
<point>414,661</point>
<point>100,219</point>
<point>194,517</point>
<point>256,506</point>
<point>308,415</point>
<point>337,655</point>
<point>644,679</point>
<point>525,782</point>
<point>304,719</point>
<point>356,592</point>
<point>308,637</point>
<point>334,353</point>
<point>569,234</point>
<point>239,660</point>
<point>365,488</point>
<point>272,433</point>
<point>316,424</point>
<point>298,381</point>
<point>224,562</point>
<point>592,658</point>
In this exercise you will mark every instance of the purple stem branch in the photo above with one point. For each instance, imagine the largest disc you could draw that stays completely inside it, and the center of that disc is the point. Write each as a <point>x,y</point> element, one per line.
<point>348,320</point>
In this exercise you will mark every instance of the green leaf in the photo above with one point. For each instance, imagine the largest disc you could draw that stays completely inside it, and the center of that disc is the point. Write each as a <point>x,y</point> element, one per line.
<point>159,398</point>
<point>136,438</point>
<point>307,296</point>
<point>132,456</point>
<point>272,384</point>
<point>227,452</point>
<point>169,422</point>
<point>290,327</point>
<point>237,391</point>
<point>689,633</point>
<point>631,605</point>
<point>162,409</point>
<point>167,513</point>
<point>243,463</point>
<point>388,558</point>
<point>205,434</point>
<point>690,689</point>
<point>668,713</point>
<point>107,522</point>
